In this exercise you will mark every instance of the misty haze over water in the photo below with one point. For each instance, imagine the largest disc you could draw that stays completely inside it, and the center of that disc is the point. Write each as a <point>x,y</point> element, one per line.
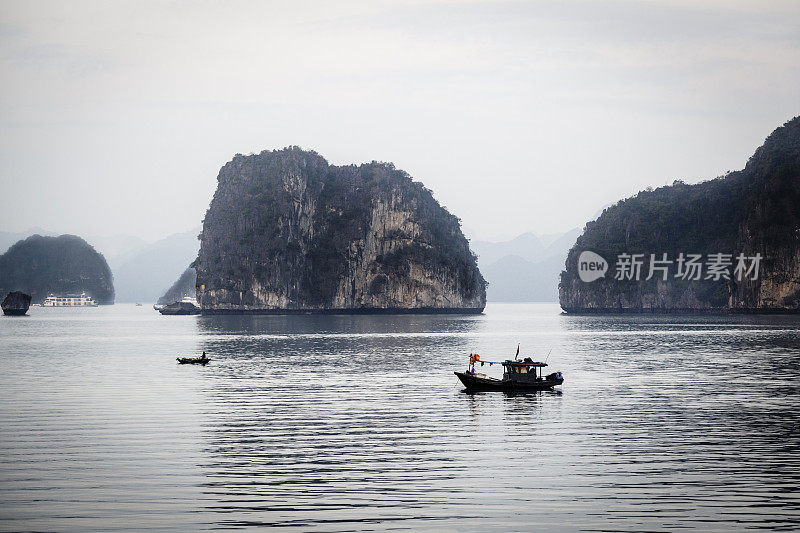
<point>521,117</point>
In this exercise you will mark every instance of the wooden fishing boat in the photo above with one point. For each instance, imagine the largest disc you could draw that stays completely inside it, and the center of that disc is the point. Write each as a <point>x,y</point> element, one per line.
<point>202,360</point>
<point>523,374</point>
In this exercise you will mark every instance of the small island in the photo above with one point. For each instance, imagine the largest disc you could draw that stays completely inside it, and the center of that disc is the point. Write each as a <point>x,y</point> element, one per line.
<point>40,266</point>
<point>288,233</point>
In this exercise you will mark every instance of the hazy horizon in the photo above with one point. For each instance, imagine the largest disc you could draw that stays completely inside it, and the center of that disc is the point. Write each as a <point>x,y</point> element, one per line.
<point>545,238</point>
<point>519,116</point>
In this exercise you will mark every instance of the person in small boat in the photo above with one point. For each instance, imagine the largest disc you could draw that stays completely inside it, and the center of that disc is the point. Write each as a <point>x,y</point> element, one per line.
<point>203,357</point>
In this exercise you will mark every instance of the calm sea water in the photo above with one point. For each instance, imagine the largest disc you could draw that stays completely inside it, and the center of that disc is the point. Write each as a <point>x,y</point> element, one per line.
<point>358,423</point>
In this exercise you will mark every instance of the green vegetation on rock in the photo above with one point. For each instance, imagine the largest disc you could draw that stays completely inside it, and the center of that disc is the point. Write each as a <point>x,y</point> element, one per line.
<point>67,264</point>
<point>285,230</point>
<point>752,211</point>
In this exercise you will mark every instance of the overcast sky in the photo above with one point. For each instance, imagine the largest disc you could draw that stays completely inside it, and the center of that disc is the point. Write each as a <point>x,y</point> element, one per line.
<point>115,117</point>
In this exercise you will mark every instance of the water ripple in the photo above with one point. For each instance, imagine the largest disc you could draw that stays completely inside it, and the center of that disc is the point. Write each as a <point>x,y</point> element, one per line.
<point>357,423</point>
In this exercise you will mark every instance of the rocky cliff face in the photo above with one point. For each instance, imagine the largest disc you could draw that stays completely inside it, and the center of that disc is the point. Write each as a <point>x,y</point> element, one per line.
<point>286,232</point>
<point>59,265</point>
<point>751,213</point>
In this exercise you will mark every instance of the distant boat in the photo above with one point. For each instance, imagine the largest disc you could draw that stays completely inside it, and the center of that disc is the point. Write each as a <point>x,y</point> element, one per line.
<point>180,308</point>
<point>185,306</point>
<point>138,304</point>
<point>69,300</point>
<point>202,360</point>
<point>518,375</point>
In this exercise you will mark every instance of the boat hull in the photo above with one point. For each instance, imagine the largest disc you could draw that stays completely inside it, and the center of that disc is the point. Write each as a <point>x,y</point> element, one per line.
<point>472,382</point>
<point>192,361</point>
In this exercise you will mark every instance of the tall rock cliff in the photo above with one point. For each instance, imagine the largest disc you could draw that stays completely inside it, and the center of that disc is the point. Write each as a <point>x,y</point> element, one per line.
<point>287,232</point>
<point>59,265</point>
<point>748,219</point>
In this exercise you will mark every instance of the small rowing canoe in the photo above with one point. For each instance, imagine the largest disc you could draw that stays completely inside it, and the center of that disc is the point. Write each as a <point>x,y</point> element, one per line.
<point>193,360</point>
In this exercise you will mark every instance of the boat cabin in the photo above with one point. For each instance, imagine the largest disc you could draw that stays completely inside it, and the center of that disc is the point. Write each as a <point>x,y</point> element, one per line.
<point>517,374</point>
<point>525,370</point>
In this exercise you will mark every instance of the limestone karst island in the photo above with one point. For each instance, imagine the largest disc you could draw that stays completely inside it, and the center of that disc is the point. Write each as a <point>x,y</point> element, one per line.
<point>753,213</point>
<point>286,232</point>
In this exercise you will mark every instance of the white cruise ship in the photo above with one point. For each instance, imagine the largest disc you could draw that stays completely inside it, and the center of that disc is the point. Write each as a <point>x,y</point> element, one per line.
<point>190,300</point>
<point>70,300</point>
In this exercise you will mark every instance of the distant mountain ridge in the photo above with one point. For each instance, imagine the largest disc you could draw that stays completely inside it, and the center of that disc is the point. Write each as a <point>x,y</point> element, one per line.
<point>513,279</point>
<point>144,275</point>
<point>522,269</point>
<point>525,268</point>
<point>111,246</point>
<point>9,238</point>
<point>527,246</point>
